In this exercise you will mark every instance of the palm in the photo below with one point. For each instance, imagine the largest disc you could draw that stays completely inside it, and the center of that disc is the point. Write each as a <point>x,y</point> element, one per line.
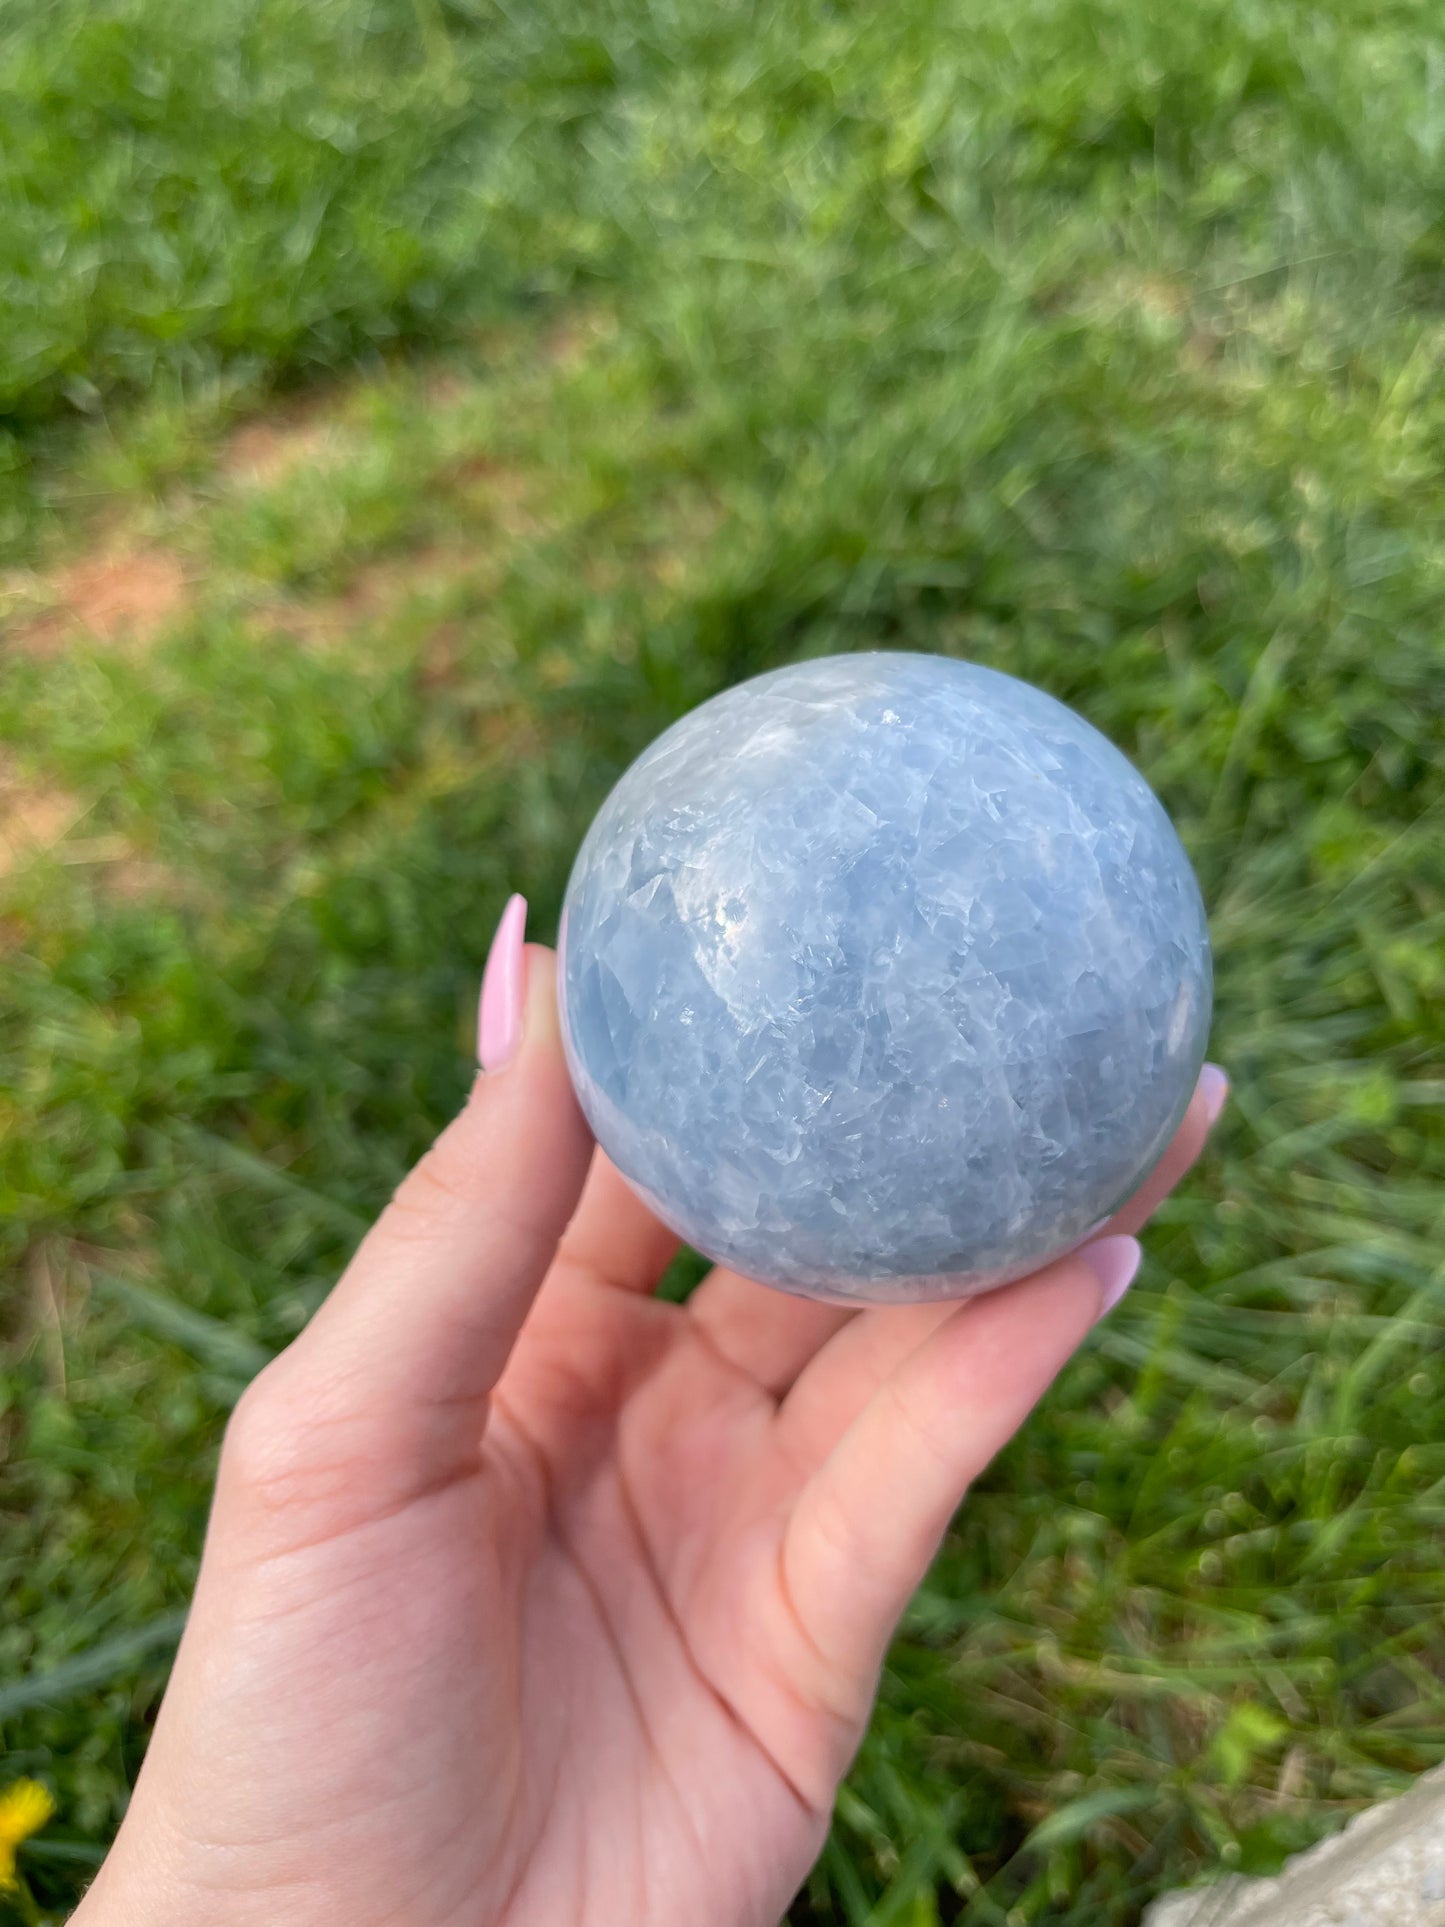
<point>646,1495</point>
<point>597,1617</point>
<point>611,1665</point>
<point>593,1618</point>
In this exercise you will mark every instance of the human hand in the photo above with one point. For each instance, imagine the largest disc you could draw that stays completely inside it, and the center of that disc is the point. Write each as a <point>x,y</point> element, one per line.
<point>531,1599</point>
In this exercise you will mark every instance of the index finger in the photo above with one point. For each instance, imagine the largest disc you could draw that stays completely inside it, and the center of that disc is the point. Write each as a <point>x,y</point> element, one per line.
<point>393,1374</point>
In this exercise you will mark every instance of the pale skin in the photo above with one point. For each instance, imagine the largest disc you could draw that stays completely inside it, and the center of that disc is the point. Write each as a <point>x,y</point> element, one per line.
<point>529,1599</point>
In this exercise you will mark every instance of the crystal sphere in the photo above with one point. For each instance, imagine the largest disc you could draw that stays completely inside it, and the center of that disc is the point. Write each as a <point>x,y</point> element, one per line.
<point>883,977</point>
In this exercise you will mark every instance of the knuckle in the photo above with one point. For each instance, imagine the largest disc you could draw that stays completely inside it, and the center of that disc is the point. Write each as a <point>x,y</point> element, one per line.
<point>270,1452</point>
<point>826,1682</point>
<point>258,1435</point>
<point>455,1171</point>
<point>934,1446</point>
<point>438,1178</point>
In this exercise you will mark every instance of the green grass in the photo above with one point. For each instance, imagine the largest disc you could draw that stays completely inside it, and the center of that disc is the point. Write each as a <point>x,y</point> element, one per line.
<point>625,350</point>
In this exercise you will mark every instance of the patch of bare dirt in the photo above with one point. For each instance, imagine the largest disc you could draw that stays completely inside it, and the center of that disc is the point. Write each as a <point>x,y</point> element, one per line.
<point>376,593</point>
<point>39,819</point>
<point>130,878</point>
<point>123,596</point>
<point>448,387</point>
<point>34,817</point>
<point>1159,297</point>
<point>263,452</point>
<point>509,499</point>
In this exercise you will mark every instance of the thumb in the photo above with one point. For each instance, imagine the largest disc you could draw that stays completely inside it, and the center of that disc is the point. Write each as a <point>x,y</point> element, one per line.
<point>389,1381</point>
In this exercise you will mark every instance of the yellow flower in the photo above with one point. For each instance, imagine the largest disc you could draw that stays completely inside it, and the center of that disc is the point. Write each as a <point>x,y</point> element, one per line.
<point>25,1806</point>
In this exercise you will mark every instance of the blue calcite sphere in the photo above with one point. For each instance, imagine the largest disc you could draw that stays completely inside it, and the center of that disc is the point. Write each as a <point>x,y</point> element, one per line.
<point>884,977</point>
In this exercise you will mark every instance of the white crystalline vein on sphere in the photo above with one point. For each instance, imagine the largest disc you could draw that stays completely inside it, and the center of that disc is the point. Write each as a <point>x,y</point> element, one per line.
<point>884,976</point>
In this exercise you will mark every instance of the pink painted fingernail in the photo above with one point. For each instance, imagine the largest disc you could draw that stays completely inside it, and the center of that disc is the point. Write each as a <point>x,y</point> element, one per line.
<point>499,1015</point>
<point>1214,1089</point>
<point>1114,1262</point>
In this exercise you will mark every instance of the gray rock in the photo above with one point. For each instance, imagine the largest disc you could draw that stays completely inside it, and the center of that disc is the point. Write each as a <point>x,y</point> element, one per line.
<point>1387,1869</point>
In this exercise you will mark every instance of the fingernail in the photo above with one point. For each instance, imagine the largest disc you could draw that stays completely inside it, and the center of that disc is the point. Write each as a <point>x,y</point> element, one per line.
<point>499,1015</point>
<point>1214,1089</point>
<point>1114,1262</point>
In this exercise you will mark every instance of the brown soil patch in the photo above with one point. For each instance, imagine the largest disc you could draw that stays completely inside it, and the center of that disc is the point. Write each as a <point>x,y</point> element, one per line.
<point>140,879</point>
<point>125,596</point>
<point>378,592</point>
<point>33,819</point>
<point>37,818</point>
<point>508,498</point>
<point>440,662</point>
<point>1161,298</point>
<point>264,452</point>
<point>448,387</point>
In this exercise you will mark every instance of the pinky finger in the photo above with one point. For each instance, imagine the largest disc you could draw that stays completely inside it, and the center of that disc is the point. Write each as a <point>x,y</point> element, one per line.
<point>1188,1142</point>
<point>868,1521</point>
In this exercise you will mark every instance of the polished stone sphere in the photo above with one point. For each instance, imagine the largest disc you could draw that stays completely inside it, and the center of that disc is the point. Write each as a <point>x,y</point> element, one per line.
<point>884,977</point>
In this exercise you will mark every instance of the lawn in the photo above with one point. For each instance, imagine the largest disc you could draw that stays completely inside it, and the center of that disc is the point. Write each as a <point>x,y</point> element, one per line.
<point>405,411</point>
